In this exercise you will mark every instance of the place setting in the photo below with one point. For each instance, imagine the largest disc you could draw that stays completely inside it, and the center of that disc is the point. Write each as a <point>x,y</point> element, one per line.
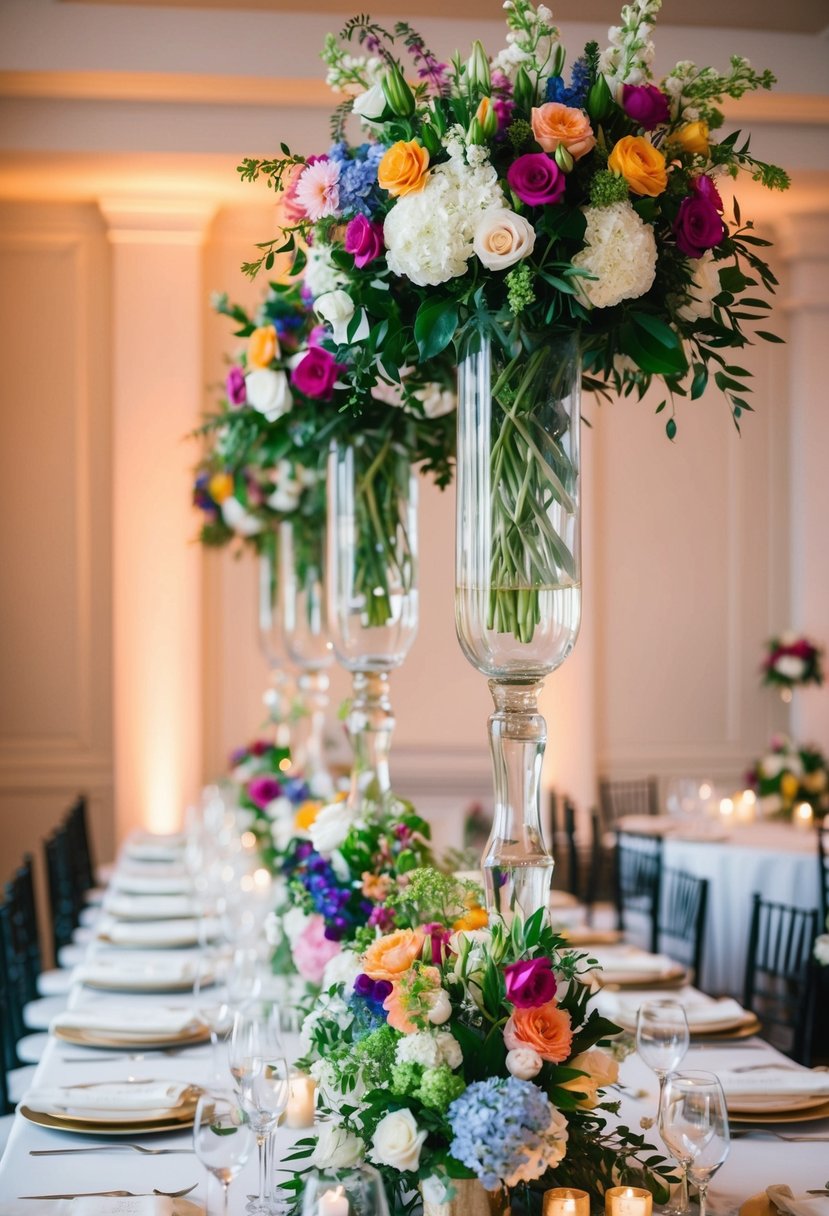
<point>113,1108</point>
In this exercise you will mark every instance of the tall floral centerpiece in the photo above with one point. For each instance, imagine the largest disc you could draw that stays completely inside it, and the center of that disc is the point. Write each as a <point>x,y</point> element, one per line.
<point>550,229</point>
<point>792,661</point>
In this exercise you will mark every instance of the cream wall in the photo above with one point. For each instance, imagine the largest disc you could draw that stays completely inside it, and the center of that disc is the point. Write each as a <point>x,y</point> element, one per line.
<point>119,133</point>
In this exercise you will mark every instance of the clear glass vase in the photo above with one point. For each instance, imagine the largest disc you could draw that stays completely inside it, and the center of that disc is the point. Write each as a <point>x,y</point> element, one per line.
<point>279,696</point>
<point>372,596</point>
<point>518,577</point>
<point>305,626</point>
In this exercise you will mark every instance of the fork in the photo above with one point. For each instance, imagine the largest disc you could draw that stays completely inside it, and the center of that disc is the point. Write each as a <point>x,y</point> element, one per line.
<point>117,1194</point>
<point>756,1067</point>
<point>107,1148</point>
<point>141,1055</point>
<point>739,1132</point>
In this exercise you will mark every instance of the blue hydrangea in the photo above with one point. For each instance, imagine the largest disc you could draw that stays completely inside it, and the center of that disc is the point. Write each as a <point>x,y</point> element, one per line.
<point>576,94</point>
<point>359,191</point>
<point>496,1124</point>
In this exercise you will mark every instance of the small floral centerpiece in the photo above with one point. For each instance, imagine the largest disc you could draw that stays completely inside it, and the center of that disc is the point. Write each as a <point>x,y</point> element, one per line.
<point>792,661</point>
<point>788,775</point>
<point>449,1049</point>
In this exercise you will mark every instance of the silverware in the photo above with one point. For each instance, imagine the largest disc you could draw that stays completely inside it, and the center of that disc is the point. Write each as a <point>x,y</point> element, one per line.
<point>106,1148</point>
<point>117,1194</point>
<point>756,1067</point>
<point>739,1132</point>
<point>141,1055</point>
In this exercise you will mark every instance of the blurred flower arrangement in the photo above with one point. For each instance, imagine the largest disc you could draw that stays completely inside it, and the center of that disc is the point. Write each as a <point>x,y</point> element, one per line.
<point>447,1050</point>
<point>495,197</point>
<point>788,775</point>
<point>792,661</point>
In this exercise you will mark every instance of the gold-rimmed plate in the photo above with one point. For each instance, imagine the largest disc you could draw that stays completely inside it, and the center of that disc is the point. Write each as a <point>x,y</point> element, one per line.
<point>175,1121</point>
<point>590,937</point>
<point>96,1038</point>
<point>152,987</point>
<point>671,977</point>
<point>744,1029</point>
<point>775,1116</point>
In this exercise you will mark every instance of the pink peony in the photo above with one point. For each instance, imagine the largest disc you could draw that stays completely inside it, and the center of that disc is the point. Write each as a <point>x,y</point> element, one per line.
<point>316,373</point>
<point>263,790</point>
<point>318,189</point>
<point>312,951</point>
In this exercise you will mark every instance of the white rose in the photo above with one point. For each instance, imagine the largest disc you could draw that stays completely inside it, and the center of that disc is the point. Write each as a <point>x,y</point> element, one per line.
<point>790,667</point>
<point>772,766</point>
<point>337,1148</point>
<point>704,285</point>
<point>240,520</point>
<point>450,1049</point>
<point>279,808</point>
<point>441,1008</point>
<point>503,238</point>
<point>524,1063</point>
<point>371,104</point>
<point>397,1141</point>
<point>336,308</point>
<point>330,828</point>
<point>268,392</point>
<point>436,401</point>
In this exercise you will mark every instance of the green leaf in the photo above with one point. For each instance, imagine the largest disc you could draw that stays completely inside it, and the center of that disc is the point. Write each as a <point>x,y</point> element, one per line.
<point>766,336</point>
<point>670,428</point>
<point>732,279</point>
<point>700,381</point>
<point>435,326</point>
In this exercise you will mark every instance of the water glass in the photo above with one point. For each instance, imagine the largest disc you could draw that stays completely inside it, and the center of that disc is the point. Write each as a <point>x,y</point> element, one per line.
<point>222,1138</point>
<point>260,1069</point>
<point>662,1039</point>
<point>693,1123</point>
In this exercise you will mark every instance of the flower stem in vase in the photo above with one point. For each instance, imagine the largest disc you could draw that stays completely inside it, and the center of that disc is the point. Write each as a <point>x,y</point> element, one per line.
<point>308,754</point>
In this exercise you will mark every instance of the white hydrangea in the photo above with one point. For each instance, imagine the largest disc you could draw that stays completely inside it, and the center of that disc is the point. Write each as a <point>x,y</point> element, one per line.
<point>429,233</point>
<point>705,284</point>
<point>620,251</point>
<point>293,924</point>
<point>343,968</point>
<point>321,275</point>
<point>429,1049</point>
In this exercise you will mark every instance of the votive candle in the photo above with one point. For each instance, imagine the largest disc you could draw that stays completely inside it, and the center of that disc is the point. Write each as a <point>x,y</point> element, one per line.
<point>565,1201</point>
<point>627,1201</point>
<point>302,1094</point>
<point>333,1203</point>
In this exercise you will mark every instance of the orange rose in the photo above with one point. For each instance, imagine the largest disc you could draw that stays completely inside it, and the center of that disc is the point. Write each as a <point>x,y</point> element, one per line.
<point>220,486</point>
<point>693,137</point>
<point>263,346</point>
<point>546,1029</point>
<point>555,124</point>
<point>390,956</point>
<point>475,918</point>
<point>404,168</point>
<point>306,815</point>
<point>376,886</point>
<point>640,164</point>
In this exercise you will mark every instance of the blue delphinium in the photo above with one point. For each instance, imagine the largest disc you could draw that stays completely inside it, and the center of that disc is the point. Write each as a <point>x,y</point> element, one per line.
<point>359,191</point>
<point>496,1125</point>
<point>576,94</point>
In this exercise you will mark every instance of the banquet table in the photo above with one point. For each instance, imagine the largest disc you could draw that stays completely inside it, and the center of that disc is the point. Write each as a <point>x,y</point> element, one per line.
<point>777,860</point>
<point>756,1161</point>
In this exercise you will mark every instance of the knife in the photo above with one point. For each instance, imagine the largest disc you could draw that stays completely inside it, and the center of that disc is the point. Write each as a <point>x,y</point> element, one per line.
<point>86,1195</point>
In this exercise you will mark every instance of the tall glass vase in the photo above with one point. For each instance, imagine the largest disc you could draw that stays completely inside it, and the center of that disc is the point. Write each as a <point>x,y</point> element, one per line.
<point>279,697</point>
<point>372,596</point>
<point>518,578</point>
<point>305,625</point>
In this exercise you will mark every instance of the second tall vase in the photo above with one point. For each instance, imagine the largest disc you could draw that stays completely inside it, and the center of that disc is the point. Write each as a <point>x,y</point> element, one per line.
<point>372,597</point>
<point>518,578</point>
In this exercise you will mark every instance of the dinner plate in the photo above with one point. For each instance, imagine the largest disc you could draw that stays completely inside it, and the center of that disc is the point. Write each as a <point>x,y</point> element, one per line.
<point>148,1127</point>
<point>591,937</point>
<point>155,987</point>
<point>99,1038</point>
<point>671,977</point>
<point>742,1030</point>
<point>764,1104</point>
<point>791,1116</point>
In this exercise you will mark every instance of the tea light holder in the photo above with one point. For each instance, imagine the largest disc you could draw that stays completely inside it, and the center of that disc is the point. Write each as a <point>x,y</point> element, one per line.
<point>627,1201</point>
<point>565,1201</point>
<point>803,817</point>
<point>302,1100</point>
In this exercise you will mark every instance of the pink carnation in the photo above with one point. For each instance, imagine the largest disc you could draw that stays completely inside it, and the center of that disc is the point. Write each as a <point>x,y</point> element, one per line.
<point>318,189</point>
<point>312,951</point>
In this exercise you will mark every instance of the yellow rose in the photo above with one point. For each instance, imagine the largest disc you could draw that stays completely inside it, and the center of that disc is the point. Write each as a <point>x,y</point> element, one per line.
<point>263,347</point>
<point>404,168</point>
<point>306,815</point>
<point>220,486</point>
<point>693,137</point>
<point>640,164</point>
<point>601,1070</point>
<point>789,785</point>
<point>475,918</point>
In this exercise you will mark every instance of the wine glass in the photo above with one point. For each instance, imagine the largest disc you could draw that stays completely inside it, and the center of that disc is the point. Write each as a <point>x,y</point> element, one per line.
<point>211,998</point>
<point>260,1069</point>
<point>693,1123</point>
<point>662,1039</point>
<point>222,1138</point>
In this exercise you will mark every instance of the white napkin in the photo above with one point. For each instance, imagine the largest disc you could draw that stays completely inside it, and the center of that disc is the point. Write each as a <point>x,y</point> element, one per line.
<point>151,884</point>
<point>149,907</point>
<point>141,1205</point>
<point>781,1197</point>
<point>133,973</point>
<point>157,933</point>
<point>619,962</point>
<point>699,1012</point>
<point>110,1096</point>
<point>784,1080</point>
<point>118,1019</point>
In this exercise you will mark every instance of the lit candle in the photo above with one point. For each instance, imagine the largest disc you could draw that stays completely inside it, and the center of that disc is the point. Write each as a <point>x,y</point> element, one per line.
<point>333,1203</point>
<point>627,1201</point>
<point>302,1096</point>
<point>803,816</point>
<point>726,810</point>
<point>564,1201</point>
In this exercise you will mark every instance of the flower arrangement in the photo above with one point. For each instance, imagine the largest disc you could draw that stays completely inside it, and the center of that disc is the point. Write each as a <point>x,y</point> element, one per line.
<point>451,1050</point>
<point>788,775</point>
<point>792,662</point>
<point>497,198</point>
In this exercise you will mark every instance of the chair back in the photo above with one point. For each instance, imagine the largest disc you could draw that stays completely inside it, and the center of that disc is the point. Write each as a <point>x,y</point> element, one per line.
<point>639,796</point>
<point>573,878</point>
<point>779,979</point>
<point>83,868</point>
<point>12,989</point>
<point>638,872</point>
<point>682,913</point>
<point>63,900</point>
<point>823,871</point>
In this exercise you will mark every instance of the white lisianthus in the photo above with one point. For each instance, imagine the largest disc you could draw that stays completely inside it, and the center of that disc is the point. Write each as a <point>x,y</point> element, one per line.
<point>336,308</point>
<point>620,252</point>
<point>769,804</point>
<point>429,233</point>
<point>705,284</point>
<point>336,1148</point>
<point>524,1063</point>
<point>440,1010</point>
<point>268,392</point>
<point>321,275</point>
<point>371,104</point>
<point>790,667</point>
<point>342,969</point>
<point>330,828</point>
<point>285,496</point>
<point>240,520</point>
<point>503,238</point>
<point>397,1141</point>
<point>436,401</point>
<point>550,1154</point>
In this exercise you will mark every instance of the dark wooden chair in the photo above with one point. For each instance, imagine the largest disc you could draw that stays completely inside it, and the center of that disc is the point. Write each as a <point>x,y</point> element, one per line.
<point>638,880</point>
<point>639,796</point>
<point>823,872</point>
<point>572,850</point>
<point>779,979</point>
<point>63,900</point>
<point>682,915</point>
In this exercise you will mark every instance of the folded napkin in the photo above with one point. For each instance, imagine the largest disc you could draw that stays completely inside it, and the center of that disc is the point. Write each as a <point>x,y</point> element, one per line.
<point>700,1012</point>
<point>121,1019</point>
<point>157,933</point>
<point>150,907</point>
<point>781,1197</point>
<point>788,1079</point>
<point>110,1096</point>
<point>631,961</point>
<point>148,850</point>
<point>131,972</point>
<point>151,884</point>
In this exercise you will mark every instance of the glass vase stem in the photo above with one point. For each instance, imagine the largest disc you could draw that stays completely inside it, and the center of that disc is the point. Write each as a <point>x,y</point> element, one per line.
<point>370,726</point>
<point>309,749</point>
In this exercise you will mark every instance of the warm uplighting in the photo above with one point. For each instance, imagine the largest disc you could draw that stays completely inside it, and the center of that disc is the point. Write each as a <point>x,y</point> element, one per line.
<point>749,797</point>
<point>803,816</point>
<point>261,878</point>
<point>284,765</point>
<point>726,807</point>
<point>248,840</point>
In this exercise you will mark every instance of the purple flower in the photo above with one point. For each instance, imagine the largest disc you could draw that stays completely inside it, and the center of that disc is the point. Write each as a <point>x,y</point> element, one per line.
<point>645,104</point>
<point>530,983</point>
<point>705,188</point>
<point>364,985</point>
<point>364,239</point>
<point>316,374</point>
<point>238,755</point>
<point>698,226</point>
<point>235,385</point>
<point>262,790</point>
<point>536,179</point>
<point>381,918</point>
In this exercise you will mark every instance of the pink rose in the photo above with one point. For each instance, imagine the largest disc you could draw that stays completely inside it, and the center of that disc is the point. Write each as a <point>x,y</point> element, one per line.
<point>262,790</point>
<point>704,187</point>
<point>530,983</point>
<point>312,951</point>
<point>536,179</point>
<point>645,104</point>
<point>364,239</point>
<point>316,373</point>
<point>698,226</point>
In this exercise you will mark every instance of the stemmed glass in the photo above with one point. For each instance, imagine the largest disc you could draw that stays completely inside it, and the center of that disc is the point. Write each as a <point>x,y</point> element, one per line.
<point>222,1138</point>
<point>693,1123</point>
<point>260,1069</point>
<point>662,1039</point>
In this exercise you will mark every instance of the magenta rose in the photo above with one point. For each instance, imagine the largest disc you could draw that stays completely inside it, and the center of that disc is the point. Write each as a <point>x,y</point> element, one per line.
<point>698,226</point>
<point>530,983</point>
<point>439,937</point>
<point>645,104</point>
<point>262,790</point>
<point>364,239</point>
<point>536,179</point>
<point>316,373</point>
<point>235,385</point>
<point>703,187</point>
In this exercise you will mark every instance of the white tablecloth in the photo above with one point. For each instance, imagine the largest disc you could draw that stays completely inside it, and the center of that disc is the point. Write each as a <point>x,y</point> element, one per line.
<point>775,859</point>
